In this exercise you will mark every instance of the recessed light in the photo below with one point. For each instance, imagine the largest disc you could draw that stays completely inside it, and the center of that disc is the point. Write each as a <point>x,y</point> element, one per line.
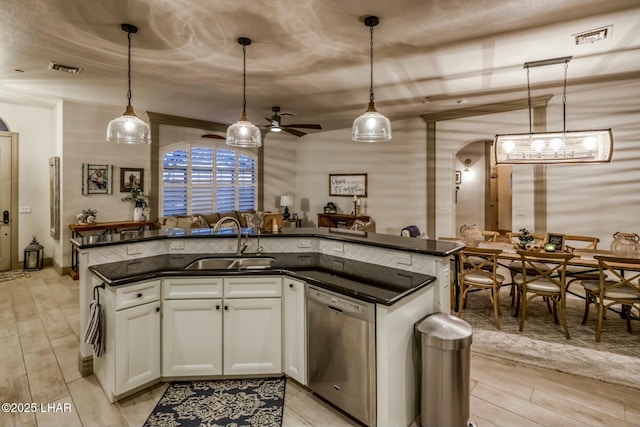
<point>593,35</point>
<point>462,101</point>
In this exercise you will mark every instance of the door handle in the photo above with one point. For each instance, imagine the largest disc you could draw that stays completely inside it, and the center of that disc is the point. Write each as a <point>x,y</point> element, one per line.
<point>5,217</point>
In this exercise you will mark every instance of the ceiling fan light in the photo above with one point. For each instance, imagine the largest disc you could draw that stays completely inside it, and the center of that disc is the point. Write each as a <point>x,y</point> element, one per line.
<point>371,126</point>
<point>275,129</point>
<point>128,129</point>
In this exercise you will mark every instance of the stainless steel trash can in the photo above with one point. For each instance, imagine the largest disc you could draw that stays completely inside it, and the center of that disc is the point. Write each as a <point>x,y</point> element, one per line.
<point>446,345</point>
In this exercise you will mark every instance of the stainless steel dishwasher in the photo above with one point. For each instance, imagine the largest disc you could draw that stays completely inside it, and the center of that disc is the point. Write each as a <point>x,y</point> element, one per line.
<point>342,352</point>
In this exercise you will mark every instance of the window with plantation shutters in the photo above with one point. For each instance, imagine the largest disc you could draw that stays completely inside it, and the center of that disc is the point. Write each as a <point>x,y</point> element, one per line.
<point>207,177</point>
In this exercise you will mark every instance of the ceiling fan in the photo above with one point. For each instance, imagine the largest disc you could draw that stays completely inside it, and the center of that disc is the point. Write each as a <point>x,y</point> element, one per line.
<point>275,123</point>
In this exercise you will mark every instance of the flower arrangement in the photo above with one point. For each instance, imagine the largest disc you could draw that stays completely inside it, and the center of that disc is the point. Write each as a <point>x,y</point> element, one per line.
<point>525,237</point>
<point>87,216</point>
<point>136,195</point>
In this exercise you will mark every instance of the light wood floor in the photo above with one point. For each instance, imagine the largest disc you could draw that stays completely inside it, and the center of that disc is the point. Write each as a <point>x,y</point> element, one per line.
<point>38,363</point>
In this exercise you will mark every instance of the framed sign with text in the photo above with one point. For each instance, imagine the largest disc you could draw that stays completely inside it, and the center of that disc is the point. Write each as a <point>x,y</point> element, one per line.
<point>344,184</point>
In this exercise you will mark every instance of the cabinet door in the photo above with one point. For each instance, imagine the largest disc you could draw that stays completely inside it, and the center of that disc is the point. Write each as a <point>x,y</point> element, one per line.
<point>252,336</point>
<point>192,337</point>
<point>137,349</point>
<point>295,330</point>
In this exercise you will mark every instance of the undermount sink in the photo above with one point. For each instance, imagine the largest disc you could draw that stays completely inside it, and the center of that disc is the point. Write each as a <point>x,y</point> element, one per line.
<point>231,263</point>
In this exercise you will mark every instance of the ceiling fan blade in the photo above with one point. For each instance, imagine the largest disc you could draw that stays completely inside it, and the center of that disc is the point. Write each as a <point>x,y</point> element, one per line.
<point>303,126</point>
<point>293,131</point>
<point>213,136</point>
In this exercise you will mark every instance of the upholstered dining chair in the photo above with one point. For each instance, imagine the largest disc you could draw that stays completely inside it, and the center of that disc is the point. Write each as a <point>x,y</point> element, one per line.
<point>548,281</point>
<point>618,284</point>
<point>478,270</point>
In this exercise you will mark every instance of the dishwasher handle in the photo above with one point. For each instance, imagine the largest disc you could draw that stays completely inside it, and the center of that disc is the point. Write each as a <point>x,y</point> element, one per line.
<point>337,310</point>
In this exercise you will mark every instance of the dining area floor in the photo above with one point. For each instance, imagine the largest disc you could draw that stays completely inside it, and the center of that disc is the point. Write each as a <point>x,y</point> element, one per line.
<point>39,339</point>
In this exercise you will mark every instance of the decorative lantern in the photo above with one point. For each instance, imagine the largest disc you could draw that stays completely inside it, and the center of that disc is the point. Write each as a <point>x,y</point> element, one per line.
<point>33,256</point>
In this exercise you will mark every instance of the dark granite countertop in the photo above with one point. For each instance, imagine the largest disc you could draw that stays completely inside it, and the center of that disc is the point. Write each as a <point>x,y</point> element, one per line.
<point>438,248</point>
<point>365,281</point>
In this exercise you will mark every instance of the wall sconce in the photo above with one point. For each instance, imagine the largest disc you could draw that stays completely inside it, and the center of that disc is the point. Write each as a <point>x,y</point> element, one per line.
<point>584,146</point>
<point>467,163</point>
<point>286,200</point>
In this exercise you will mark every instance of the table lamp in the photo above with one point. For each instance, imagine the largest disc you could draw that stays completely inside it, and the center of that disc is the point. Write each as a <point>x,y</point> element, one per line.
<point>286,200</point>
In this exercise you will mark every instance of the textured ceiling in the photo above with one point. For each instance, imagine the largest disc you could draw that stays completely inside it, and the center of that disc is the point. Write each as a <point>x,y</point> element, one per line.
<point>308,56</point>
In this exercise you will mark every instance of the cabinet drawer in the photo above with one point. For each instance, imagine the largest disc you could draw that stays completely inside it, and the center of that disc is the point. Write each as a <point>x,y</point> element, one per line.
<point>192,287</point>
<point>140,293</point>
<point>252,287</point>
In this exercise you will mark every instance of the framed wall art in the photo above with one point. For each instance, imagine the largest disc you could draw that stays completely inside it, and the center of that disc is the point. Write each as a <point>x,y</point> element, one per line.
<point>344,184</point>
<point>54,197</point>
<point>97,179</point>
<point>130,177</point>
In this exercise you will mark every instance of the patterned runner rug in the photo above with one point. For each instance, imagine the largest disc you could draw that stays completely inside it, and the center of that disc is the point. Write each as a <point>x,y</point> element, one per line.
<point>542,343</point>
<point>238,402</point>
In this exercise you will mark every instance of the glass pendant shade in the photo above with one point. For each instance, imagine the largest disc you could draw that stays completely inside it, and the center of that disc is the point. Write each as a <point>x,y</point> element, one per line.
<point>371,126</point>
<point>129,129</point>
<point>593,146</point>
<point>243,133</point>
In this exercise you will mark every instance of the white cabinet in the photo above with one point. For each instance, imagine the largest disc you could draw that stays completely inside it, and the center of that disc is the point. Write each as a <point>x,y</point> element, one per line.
<point>192,337</point>
<point>252,336</point>
<point>192,326</point>
<point>131,316</point>
<point>295,330</point>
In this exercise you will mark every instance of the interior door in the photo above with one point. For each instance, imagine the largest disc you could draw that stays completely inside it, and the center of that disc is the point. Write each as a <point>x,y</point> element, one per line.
<point>8,186</point>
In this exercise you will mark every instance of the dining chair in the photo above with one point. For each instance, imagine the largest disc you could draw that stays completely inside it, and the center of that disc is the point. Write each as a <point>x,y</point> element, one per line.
<point>581,242</point>
<point>548,281</point>
<point>578,272</point>
<point>489,236</point>
<point>513,237</point>
<point>478,270</point>
<point>618,284</point>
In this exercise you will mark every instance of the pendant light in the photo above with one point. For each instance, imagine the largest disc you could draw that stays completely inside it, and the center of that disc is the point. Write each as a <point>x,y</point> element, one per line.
<point>129,129</point>
<point>578,146</point>
<point>243,133</point>
<point>371,126</point>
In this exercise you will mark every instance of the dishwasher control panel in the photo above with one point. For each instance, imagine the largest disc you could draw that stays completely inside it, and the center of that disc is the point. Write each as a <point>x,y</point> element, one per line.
<point>341,303</point>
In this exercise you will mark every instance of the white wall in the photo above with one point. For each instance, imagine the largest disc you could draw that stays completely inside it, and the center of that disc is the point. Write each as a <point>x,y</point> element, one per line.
<point>471,195</point>
<point>396,173</point>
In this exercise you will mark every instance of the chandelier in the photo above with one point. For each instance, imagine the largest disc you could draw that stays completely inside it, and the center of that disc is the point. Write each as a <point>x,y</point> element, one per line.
<point>581,146</point>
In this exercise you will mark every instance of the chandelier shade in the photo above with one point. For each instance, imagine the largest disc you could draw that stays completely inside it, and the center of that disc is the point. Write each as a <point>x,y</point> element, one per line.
<point>128,128</point>
<point>583,146</point>
<point>371,126</point>
<point>580,146</point>
<point>243,133</point>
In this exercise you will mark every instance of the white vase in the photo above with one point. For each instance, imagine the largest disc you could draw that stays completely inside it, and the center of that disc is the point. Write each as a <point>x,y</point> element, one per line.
<point>137,213</point>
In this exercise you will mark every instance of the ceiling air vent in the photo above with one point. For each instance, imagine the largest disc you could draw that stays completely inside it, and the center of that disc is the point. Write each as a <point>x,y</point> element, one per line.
<point>593,35</point>
<point>65,68</point>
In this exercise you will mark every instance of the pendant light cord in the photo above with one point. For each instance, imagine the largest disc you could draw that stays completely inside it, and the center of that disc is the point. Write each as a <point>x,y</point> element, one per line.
<point>129,68</point>
<point>244,78</point>
<point>529,99</point>
<point>371,67</point>
<point>564,98</point>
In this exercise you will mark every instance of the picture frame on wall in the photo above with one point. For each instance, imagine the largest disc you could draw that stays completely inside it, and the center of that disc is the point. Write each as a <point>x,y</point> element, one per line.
<point>130,177</point>
<point>458,177</point>
<point>97,179</point>
<point>344,184</point>
<point>54,197</point>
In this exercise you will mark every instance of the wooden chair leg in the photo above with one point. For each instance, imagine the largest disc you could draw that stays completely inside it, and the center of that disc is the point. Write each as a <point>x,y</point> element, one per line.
<point>563,315</point>
<point>629,318</point>
<point>555,309</point>
<point>600,318</point>
<point>587,301</point>
<point>496,305</point>
<point>523,313</point>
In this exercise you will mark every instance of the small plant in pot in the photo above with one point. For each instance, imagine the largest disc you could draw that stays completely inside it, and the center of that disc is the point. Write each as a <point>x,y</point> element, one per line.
<point>525,238</point>
<point>140,200</point>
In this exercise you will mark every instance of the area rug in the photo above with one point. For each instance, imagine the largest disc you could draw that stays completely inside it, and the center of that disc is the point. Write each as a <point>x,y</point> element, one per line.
<point>616,359</point>
<point>13,274</point>
<point>237,403</point>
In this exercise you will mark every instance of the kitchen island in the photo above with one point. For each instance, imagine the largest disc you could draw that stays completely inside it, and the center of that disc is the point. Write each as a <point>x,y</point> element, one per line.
<point>405,278</point>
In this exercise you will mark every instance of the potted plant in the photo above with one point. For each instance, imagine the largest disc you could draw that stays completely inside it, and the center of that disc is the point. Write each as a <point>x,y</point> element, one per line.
<point>140,200</point>
<point>87,216</point>
<point>525,238</point>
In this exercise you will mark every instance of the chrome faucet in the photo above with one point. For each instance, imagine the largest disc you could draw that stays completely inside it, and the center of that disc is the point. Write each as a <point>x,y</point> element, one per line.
<point>242,246</point>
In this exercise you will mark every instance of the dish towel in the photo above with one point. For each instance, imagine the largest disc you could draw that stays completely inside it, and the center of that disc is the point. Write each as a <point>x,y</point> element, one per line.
<point>94,333</point>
